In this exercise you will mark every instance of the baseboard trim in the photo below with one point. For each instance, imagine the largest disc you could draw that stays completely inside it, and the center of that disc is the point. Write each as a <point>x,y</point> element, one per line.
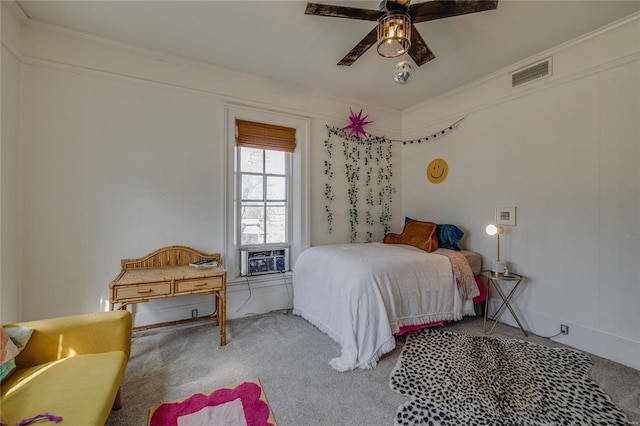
<point>597,342</point>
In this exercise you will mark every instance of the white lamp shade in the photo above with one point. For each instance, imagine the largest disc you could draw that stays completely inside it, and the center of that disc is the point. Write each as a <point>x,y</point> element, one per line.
<point>494,229</point>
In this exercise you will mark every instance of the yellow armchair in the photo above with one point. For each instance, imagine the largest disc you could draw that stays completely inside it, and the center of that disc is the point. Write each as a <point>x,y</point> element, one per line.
<point>72,367</point>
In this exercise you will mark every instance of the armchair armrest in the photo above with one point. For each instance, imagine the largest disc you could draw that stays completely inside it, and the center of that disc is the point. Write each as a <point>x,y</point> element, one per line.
<point>64,337</point>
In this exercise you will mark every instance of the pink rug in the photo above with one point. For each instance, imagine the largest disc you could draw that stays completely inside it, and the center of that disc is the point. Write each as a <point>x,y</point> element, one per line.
<point>243,404</point>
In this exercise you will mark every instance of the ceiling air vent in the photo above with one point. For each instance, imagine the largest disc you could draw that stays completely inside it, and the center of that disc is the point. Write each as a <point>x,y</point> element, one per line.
<point>531,72</point>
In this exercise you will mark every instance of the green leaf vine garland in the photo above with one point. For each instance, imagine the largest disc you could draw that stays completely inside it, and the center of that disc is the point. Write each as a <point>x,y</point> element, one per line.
<point>372,156</point>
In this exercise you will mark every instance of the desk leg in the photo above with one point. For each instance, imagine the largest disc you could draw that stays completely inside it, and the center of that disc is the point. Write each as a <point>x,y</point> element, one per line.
<point>222,316</point>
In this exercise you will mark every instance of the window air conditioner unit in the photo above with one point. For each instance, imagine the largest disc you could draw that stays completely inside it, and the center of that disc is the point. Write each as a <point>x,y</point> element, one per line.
<point>259,262</point>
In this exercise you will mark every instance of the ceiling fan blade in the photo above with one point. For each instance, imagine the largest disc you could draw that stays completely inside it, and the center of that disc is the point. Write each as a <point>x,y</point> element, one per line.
<point>419,51</point>
<point>342,12</point>
<point>368,41</point>
<point>438,9</point>
<point>396,4</point>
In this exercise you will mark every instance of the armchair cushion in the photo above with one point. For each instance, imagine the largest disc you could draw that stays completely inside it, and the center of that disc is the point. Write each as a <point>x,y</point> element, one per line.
<point>75,388</point>
<point>417,234</point>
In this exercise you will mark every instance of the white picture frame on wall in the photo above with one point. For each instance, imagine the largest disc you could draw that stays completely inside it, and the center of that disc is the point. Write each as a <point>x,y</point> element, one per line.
<point>506,216</point>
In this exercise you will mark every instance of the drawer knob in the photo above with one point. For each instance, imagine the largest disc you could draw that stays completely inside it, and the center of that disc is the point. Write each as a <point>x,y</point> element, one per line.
<point>145,291</point>
<point>201,285</point>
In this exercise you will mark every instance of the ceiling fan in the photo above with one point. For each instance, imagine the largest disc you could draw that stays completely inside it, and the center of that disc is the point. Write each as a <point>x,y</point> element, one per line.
<point>396,19</point>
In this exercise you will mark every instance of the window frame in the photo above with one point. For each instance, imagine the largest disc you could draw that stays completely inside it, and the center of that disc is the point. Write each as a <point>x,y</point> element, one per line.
<point>297,191</point>
<point>265,201</point>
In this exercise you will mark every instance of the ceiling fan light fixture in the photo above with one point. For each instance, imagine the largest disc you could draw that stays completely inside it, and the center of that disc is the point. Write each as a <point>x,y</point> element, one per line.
<point>394,34</point>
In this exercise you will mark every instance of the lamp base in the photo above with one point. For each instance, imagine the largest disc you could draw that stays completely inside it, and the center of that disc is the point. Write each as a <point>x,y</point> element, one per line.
<point>498,266</point>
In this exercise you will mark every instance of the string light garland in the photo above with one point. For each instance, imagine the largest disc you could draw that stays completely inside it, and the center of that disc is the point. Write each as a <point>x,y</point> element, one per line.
<point>357,123</point>
<point>427,138</point>
<point>433,136</point>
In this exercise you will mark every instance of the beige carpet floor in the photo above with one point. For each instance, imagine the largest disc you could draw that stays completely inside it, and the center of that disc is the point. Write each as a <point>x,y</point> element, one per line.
<point>290,357</point>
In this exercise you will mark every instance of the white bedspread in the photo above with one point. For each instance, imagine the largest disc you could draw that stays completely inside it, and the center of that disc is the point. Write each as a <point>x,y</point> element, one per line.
<point>360,294</point>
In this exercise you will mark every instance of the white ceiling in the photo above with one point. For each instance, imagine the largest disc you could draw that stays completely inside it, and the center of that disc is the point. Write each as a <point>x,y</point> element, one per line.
<point>275,39</point>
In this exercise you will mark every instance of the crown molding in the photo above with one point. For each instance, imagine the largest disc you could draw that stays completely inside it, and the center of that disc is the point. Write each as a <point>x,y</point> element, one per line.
<point>525,90</point>
<point>48,28</point>
<point>413,132</point>
<point>549,52</point>
<point>328,108</point>
<point>17,12</point>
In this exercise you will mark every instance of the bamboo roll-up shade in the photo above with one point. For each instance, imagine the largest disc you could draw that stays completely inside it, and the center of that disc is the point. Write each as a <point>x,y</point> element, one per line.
<point>266,136</point>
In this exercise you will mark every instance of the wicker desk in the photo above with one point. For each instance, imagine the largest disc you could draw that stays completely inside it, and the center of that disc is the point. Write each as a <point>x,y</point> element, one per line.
<point>166,273</point>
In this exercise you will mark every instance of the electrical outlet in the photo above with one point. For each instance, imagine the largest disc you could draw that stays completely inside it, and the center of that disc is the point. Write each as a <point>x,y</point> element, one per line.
<point>194,313</point>
<point>564,329</point>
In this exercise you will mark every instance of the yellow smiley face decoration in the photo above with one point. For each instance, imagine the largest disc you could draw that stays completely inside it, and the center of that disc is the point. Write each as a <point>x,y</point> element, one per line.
<point>437,170</point>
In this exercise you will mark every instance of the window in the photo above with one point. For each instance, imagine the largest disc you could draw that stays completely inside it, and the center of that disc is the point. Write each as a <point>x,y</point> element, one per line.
<point>263,196</point>
<point>267,196</point>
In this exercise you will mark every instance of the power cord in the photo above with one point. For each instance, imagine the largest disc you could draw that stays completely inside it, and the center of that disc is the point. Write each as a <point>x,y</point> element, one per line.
<point>286,286</point>
<point>273,313</point>
<point>249,287</point>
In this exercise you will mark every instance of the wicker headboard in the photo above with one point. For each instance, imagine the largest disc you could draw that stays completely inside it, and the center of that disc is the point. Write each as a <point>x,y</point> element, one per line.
<point>168,256</point>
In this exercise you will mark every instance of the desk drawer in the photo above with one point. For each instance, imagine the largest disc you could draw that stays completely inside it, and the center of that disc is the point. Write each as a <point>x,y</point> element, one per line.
<point>198,284</point>
<point>139,291</point>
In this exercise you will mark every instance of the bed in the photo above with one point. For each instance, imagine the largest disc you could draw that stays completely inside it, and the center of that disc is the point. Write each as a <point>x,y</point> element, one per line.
<point>361,295</point>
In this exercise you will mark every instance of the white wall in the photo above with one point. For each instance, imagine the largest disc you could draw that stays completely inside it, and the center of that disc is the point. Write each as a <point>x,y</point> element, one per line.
<point>112,169</point>
<point>566,151</point>
<point>122,152</point>
<point>10,246</point>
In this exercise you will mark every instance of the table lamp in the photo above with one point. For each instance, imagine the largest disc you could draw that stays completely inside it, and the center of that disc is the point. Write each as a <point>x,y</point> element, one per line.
<point>497,266</point>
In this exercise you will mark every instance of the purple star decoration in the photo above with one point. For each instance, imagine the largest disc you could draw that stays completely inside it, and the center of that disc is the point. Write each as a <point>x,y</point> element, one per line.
<point>357,124</point>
